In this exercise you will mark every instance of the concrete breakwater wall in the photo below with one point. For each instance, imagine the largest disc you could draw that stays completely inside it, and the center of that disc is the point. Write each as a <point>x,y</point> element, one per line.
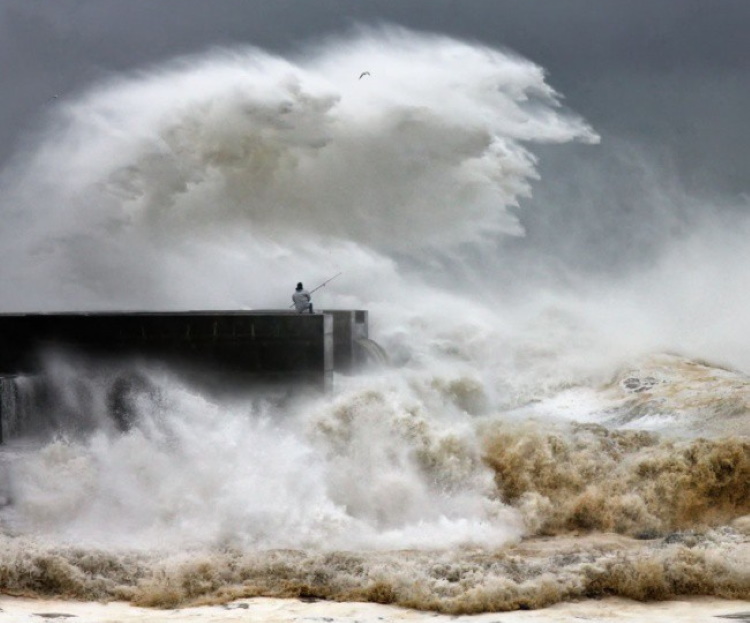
<point>240,348</point>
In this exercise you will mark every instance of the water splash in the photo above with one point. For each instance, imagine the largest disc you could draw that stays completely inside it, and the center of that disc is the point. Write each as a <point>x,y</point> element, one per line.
<point>205,181</point>
<point>219,181</point>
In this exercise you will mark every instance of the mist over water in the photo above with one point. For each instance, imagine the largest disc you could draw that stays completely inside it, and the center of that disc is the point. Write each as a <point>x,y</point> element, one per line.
<point>529,393</point>
<point>183,181</point>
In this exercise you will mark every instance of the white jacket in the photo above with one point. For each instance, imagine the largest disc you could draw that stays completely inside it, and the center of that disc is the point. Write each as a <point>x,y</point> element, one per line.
<point>301,300</point>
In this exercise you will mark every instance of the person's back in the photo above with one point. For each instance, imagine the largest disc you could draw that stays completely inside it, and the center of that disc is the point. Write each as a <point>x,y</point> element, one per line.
<point>301,299</point>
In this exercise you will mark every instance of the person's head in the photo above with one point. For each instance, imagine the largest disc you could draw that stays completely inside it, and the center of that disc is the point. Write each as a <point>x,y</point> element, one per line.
<point>299,285</point>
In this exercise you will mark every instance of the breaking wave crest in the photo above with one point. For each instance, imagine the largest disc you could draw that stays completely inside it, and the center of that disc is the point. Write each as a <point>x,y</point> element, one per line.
<point>527,576</point>
<point>170,187</point>
<point>379,495</point>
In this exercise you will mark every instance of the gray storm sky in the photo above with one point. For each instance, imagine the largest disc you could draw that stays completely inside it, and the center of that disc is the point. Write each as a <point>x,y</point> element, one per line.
<point>671,75</point>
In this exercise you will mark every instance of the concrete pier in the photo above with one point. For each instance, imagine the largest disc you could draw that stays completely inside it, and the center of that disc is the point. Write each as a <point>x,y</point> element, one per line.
<point>264,344</point>
<point>233,348</point>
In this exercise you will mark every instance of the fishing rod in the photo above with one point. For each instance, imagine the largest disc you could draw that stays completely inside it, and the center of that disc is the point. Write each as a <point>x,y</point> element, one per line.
<point>322,285</point>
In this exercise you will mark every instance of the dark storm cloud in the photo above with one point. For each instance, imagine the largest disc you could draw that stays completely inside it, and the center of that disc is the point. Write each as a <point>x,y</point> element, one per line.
<point>672,73</point>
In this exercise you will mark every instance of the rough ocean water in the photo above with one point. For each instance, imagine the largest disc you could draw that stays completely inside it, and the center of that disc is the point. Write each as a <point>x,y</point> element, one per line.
<point>533,441</point>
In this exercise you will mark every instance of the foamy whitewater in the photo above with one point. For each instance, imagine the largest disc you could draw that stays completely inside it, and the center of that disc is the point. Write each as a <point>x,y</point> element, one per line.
<point>528,443</point>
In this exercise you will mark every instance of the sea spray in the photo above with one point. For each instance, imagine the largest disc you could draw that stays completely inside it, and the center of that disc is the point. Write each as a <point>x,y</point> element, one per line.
<point>371,470</point>
<point>223,179</point>
<point>168,187</point>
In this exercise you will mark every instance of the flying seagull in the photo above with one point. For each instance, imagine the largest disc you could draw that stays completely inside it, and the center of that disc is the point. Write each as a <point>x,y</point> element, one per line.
<point>363,74</point>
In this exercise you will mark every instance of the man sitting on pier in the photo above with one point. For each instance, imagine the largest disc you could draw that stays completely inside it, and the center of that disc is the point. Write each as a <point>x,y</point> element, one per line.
<point>301,298</point>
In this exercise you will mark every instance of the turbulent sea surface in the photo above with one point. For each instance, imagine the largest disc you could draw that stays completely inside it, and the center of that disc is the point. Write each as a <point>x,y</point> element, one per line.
<point>540,435</point>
